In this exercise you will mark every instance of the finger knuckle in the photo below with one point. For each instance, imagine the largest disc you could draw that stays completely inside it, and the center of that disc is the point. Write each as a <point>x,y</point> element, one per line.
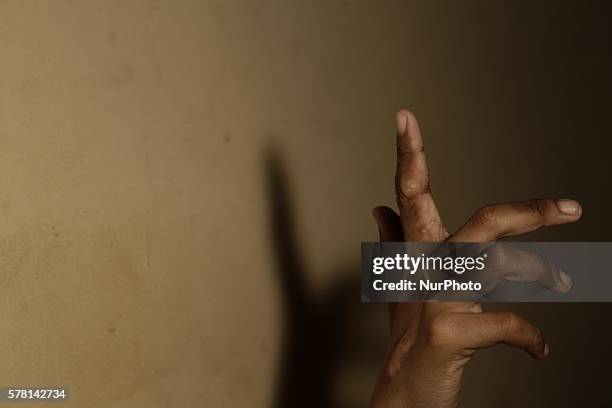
<point>439,332</point>
<point>537,207</point>
<point>485,217</point>
<point>405,150</point>
<point>509,321</point>
<point>498,258</point>
<point>424,230</point>
<point>408,187</point>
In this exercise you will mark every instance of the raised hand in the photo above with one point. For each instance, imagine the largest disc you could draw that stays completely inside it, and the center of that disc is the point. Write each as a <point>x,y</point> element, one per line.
<point>431,342</point>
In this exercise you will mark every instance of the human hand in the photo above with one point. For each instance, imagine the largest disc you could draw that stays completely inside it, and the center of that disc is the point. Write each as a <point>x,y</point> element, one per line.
<point>431,342</point>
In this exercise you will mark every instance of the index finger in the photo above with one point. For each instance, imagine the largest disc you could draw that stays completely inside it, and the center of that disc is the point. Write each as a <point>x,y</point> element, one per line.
<point>418,212</point>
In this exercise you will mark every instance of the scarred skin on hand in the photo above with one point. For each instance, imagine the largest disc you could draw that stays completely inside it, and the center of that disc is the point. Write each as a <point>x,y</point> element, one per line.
<point>431,342</point>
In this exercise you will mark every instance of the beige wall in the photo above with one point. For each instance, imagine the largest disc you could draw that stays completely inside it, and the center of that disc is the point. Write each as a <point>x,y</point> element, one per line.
<point>184,186</point>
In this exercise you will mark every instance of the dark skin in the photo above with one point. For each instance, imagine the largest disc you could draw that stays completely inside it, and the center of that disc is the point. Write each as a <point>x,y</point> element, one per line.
<point>431,342</point>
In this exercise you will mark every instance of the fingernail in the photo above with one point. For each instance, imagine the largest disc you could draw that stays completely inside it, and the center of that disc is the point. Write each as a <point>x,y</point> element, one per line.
<point>566,279</point>
<point>401,122</point>
<point>546,350</point>
<point>569,207</point>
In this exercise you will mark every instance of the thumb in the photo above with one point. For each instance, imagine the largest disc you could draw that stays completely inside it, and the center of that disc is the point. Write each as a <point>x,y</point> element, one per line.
<point>389,224</point>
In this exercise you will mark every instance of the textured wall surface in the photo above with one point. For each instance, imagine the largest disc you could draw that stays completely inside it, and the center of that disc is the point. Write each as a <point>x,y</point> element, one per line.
<point>184,186</point>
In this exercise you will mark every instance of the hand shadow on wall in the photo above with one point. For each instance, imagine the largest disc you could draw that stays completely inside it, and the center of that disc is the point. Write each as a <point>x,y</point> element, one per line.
<point>316,333</point>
